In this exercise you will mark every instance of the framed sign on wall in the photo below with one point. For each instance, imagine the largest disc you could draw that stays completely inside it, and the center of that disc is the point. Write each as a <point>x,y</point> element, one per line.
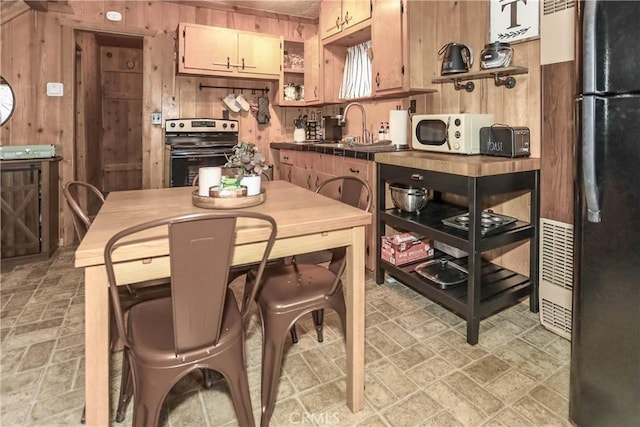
<point>514,20</point>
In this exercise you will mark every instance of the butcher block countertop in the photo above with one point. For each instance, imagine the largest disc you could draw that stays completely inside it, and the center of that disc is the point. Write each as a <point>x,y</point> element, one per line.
<point>455,164</point>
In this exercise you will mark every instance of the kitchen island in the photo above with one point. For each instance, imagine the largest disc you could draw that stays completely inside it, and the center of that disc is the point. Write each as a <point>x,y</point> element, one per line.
<point>489,287</point>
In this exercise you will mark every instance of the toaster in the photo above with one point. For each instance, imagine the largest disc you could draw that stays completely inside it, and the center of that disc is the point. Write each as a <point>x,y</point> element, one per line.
<point>505,141</point>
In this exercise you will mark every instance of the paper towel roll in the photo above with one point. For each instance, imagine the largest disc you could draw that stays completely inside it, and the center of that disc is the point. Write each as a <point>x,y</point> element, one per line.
<point>398,125</point>
<point>208,177</point>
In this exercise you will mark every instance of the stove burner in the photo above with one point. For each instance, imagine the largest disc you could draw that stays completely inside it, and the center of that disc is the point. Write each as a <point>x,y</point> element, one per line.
<point>489,222</point>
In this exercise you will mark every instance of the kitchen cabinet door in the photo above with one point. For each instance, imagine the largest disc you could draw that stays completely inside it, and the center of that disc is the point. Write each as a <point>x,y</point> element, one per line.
<point>312,70</point>
<point>259,54</point>
<point>208,49</point>
<point>355,12</point>
<point>286,172</point>
<point>330,18</point>
<point>388,42</point>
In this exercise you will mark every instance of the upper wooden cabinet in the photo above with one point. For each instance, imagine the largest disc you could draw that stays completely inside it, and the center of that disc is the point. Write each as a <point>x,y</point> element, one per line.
<point>227,52</point>
<point>312,87</point>
<point>337,16</point>
<point>403,40</point>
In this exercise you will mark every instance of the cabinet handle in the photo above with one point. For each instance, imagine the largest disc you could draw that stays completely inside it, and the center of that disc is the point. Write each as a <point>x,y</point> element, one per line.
<point>317,181</point>
<point>309,182</point>
<point>347,18</point>
<point>338,22</point>
<point>352,170</point>
<point>378,79</point>
<point>417,177</point>
<point>226,64</point>
<point>289,176</point>
<point>315,92</point>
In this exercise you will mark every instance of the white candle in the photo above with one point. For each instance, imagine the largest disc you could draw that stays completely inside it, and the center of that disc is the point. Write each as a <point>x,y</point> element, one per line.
<point>207,178</point>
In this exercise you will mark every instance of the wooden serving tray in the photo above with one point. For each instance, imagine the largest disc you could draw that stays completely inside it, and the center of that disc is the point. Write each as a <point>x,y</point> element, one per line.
<point>227,202</point>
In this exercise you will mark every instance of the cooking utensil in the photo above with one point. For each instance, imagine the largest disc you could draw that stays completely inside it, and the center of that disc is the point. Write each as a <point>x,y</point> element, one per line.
<point>407,198</point>
<point>457,58</point>
<point>442,272</point>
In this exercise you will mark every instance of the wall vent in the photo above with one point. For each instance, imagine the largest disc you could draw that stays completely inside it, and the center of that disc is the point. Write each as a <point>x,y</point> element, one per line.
<point>557,21</point>
<point>556,276</point>
<point>553,6</point>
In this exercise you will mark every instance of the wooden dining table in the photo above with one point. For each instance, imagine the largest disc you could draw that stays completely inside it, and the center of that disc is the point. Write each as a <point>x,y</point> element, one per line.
<point>306,222</point>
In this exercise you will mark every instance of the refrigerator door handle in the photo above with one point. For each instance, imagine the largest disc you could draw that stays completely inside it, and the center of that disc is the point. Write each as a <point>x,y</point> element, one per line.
<point>589,47</point>
<point>589,177</point>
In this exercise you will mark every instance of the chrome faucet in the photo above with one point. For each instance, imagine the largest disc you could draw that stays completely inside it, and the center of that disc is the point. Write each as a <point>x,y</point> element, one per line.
<point>366,135</point>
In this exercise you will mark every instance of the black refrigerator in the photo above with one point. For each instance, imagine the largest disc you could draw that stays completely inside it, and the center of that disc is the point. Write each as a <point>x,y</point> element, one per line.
<point>605,346</point>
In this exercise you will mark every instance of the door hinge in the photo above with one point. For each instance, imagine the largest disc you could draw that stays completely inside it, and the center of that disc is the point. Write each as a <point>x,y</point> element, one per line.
<point>370,7</point>
<point>401,7</point>
<point>184,33</point>
<point>402,70</point>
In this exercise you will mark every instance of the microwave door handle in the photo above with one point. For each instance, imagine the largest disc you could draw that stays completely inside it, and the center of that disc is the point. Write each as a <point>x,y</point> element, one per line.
<point>446,133</point>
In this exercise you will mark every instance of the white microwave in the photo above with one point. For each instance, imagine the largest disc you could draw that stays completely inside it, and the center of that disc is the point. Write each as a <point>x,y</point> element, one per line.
<point>448,133</point>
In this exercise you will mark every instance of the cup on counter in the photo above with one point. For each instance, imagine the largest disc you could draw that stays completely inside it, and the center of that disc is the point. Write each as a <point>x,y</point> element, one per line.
<point>208,177</point>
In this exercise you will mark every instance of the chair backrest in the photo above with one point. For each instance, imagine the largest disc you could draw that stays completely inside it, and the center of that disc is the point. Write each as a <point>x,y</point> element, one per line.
<point>81,219</point>
<point>353,190</point>
<point>200,250</point>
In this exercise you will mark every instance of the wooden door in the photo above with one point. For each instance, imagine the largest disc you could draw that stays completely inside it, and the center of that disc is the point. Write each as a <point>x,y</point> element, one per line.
<point>355,12</point>
<point>209,48</point>
<point>330,18</point>
<point>312,70</point>
<point>388,46</point>
<point>259,54</point>
<point>121,71</point>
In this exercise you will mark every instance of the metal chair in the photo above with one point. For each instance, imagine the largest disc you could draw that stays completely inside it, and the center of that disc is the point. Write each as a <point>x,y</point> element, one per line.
<point>129,295</point>
<point>353,191</point>
<point>290,291</point>
<point>199,325</point>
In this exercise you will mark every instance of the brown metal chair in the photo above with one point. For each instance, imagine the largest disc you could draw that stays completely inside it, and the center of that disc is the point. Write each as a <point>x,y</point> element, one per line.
<point>199,326</point>
<point>353,191</point>
<point>288,292</point>
<point>129,295</point>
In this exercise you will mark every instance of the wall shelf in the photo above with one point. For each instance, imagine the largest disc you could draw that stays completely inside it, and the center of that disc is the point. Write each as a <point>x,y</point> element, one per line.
<point>501,77</point>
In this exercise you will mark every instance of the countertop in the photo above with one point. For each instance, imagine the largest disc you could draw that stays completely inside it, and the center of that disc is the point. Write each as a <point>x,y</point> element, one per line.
<point>456,164</point>
<point>356,151</point>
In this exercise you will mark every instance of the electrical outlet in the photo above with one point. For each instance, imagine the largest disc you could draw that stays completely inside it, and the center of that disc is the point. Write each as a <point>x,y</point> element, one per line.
<point>412,106</point>
<point>156,118</point>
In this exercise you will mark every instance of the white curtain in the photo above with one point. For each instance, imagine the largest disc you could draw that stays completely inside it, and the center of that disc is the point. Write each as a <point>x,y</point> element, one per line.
<point>356,81</point>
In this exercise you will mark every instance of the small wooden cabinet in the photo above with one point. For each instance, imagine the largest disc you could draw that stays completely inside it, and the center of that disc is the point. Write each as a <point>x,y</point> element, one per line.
<point>29,209</point>
<point>337,16</point>
<point>229,53</point>
<point>308,169</point>
<point>403,40</point>
<point>296,76</point>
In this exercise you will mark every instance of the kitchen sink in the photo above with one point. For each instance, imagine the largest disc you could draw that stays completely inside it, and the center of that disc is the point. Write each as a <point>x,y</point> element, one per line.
<point>332,145</point>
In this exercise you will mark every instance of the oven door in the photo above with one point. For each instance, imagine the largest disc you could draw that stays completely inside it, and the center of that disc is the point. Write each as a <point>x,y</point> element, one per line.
<point>184,164</point>
<point>431,134</point>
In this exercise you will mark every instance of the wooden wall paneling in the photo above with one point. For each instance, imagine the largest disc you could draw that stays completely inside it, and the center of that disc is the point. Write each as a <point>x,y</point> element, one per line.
<point>92,11</point>
<point>474,28</point>
<point>158,95</point>
<point>447,30</point>
<point>557,141</point>
<point>134,13</point>
<point>67,53</point>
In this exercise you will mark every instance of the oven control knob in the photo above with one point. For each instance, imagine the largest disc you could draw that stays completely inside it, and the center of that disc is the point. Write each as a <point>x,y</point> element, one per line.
<point>172,125</point>
<point>457,134</point>
<point>456,146</point>
<point>224,126</point>
<point>457,122</point>
<point>232,125</point>
<point>181,125</point>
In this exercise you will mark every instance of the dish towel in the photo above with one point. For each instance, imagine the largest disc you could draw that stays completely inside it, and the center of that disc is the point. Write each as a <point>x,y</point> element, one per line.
<point>263,115</point>
<point>356,80</point>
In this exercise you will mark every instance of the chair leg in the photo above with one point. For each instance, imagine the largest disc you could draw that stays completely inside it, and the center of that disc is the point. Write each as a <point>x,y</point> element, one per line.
<point>126,387</point>
<point>318,317</point>
<point>83,417</point>
<point>275,332</point>
<point>207,376</point>
<point>294,334</point>
<point>233,367</point>
<point>148,402</point>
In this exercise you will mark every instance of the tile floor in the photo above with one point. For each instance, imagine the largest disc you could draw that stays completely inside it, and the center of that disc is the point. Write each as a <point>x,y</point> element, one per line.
<point>419,371</point>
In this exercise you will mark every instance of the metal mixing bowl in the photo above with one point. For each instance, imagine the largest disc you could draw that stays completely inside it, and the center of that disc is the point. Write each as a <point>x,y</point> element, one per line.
<point>407,198</point>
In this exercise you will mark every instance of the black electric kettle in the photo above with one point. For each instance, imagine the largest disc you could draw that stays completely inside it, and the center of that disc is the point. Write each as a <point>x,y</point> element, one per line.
<point>458,58</point>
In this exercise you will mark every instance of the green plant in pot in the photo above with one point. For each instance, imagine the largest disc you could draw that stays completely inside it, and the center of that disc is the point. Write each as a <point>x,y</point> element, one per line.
<point>248,164</point>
